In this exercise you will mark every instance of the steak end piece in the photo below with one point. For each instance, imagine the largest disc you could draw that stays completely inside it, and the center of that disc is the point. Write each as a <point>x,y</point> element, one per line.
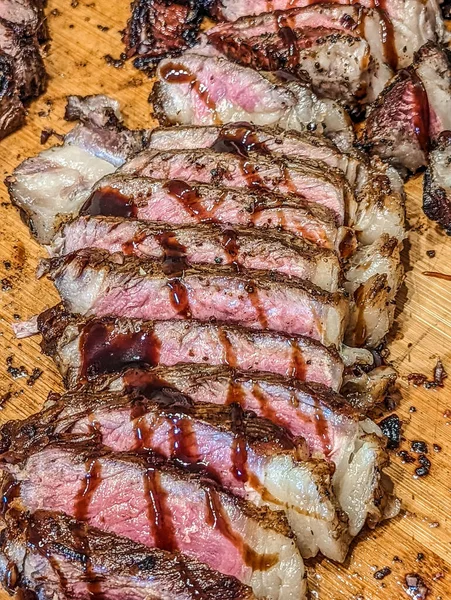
<point>437,183</point>
<point>54,556</point>
<point>12,111</point>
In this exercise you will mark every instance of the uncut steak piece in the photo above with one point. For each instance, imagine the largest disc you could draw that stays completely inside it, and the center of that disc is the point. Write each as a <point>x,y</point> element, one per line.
<point>155,503</point>
<point>242,138</point>
<point>203,244</point>
<point>309,179</point>
<point>249,456</point>
<point>95,283</point>
<point>177,202</point>
<point>83,348</point>
<point>55,183</point>
<point>160,28</point>
<point>51,555</point>
<point>330,426</point>
<point>437,183</point>
<point>210,90</point>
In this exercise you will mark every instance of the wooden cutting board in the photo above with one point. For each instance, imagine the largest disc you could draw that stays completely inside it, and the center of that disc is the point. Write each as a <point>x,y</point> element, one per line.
<point>417,541</point>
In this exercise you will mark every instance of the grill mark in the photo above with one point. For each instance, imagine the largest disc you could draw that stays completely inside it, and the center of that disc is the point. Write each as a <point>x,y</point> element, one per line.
<point>158,515</point>
<point>104,351</point>
<point>109,202</point>
<point>217,519</point>
<point>176,73</point>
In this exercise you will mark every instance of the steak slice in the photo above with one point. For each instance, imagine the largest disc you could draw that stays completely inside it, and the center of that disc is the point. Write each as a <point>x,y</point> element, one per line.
<point>203,244</point>
<point>95,283</point>
<point>176,202</point>
<point>160,28</point>
<point>328,423</point>
<point>317,39</point>
<point>437,183</point>
<point>85,349</point>
<point>210,90</point>
<point>249,456</point>
<point>54,556</point>
<point>12,111</point>
<point>157,504</point>
<point>57,182</point>
<point>306,178</point>
<point>243,138</point>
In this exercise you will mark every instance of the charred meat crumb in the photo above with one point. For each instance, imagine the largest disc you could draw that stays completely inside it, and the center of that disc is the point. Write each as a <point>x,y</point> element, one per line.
<point>415,587</point>
<point>35,374</point>
<point>437,448</point>
<point>419,447</point>
<point>405,457</point>
<point>117,63</point>
<point>425,466</point>
<point>391,427</point>
<point>417,379</point>
<point>382,573</point>
<point>6,285</point>
<point>420,556</point>
<point>431,253</point>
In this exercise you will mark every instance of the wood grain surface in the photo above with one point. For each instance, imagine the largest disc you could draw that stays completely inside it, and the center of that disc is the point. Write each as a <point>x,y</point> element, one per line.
<point>417,541</point>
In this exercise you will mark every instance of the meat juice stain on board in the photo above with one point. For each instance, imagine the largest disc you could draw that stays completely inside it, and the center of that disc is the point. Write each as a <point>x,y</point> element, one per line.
<point>176,73</point>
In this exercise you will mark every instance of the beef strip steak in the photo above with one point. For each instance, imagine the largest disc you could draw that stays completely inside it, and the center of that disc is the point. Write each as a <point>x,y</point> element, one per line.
<point>177,202</point>
<point>54,556</point>
<point>251,457</point>
<point>437,183</point>
<point>308,179</point>
<point>328,423</point>
<point>95,283</point>
<point>83,349</point>
<point>156,503</point>
<point>203,244</point>
<point>210,90</point>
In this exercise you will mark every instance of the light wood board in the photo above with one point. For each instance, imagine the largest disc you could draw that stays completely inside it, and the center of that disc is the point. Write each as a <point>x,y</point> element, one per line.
<point>76,65</point>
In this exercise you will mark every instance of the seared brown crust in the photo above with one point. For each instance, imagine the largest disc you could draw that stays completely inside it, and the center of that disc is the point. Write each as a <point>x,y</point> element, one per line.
<point>12,112</point>
<point>56,538</point>
<point>131,266</point>
<point>436,196</point>
<point>161,28</point>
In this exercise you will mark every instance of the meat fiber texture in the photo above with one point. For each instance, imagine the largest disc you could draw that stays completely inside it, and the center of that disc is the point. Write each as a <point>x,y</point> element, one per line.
<point>191,514</point>
<point>53,556</point>
<point>92,282</point>
<point>87,348</point>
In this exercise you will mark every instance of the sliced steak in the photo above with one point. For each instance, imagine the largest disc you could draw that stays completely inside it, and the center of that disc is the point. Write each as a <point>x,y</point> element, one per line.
<point>177,202</point>
<point>306,178</point>
<point>437,183</point>
<point>203,244</point>
<point>30,74</point>
<point>408,24</point>
<point>317,39</point>
<point>86,348</point>
<point>204,90</point>
<point>161,28</point>
<point>160,505</point>
<point>93,282</point>
<point>251,457</point>
<point>330,426</point>
<point>12,111</point>
<point>50,555</point>
<point>56,182</point>
<point>242,138</point>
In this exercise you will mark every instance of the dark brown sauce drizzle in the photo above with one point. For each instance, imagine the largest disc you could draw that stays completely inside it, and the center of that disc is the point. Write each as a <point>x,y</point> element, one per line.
<point>109,202</point>
<point>235,393</point>
<point>239,445</point>
<point>264,405</point>
<point>288,37</point>
<point>387,34</point>
<point>239,139</point>
<point>298,368</point>
<point>178,74</point>
<point>230,356</point>
<point>174,254</point>
<point>189,199</point>
<point>178,296</point>
<point>250,173</point>
<point>183,440</point>
<point>158,514</point>
<point>10,491</point>
<point>104,350</point>
<point>252,292</point>
<point>437,275</point>
<point>217,519</point>
<point>141,428</point>
<point>322,430</point>
<point>90,483</point>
